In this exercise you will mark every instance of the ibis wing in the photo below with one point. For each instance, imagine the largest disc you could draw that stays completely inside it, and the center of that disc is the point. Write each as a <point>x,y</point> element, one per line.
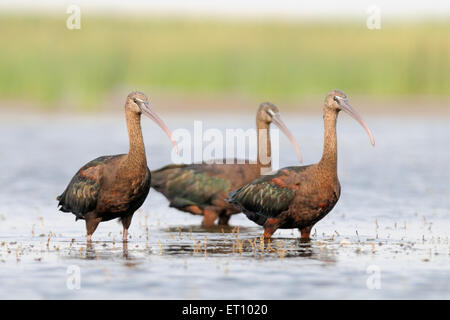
<point>186,185</point>
<point>262,198</point>
<point>267,196</point>
<point>82,192</point>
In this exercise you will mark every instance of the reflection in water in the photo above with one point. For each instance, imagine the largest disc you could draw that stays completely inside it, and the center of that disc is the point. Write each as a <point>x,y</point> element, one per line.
<point>215,229</point>
<point>243,245</point>
<point>99,250</point>
<point>200,242</point>
<point>90,252</point>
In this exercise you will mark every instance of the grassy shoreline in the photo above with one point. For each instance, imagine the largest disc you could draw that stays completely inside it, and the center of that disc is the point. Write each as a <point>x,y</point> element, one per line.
<point>196,105</point>
<point>43,62</point>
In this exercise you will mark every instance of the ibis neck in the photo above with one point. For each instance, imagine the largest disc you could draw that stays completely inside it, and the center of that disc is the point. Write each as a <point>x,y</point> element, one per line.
<point>329,156</point>
<point>264,149</point>
<point>136,153</point>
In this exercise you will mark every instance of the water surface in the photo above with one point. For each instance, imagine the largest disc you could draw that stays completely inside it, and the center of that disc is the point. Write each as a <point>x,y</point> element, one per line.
<point>392,219</point>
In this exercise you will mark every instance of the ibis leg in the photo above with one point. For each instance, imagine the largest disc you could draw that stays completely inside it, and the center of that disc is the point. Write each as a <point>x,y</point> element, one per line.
<point>270,227</point>
<point>209,216</point>
<point>268,232</point>
<point>125,250</point>
<point>305,233</point>
<point>91,225</point>
<point>223,219</point>
<point>126,221</point>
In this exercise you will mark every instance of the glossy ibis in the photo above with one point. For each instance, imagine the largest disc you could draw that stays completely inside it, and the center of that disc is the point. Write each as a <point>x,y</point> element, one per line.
<point>298,197</point>
<point>115,186</point>
<point>202,189</point>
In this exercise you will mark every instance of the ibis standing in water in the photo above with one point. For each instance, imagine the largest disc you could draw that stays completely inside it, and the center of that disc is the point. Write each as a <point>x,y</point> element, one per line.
<point>115,186</point>
<point>202,189</point>
<point>298,197</point>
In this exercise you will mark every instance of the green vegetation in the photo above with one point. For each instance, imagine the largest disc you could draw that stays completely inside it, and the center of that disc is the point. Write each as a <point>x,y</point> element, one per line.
<point>44,62</point>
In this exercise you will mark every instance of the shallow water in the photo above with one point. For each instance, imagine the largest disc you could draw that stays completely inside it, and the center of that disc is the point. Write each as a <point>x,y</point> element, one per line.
<point>391,223</point>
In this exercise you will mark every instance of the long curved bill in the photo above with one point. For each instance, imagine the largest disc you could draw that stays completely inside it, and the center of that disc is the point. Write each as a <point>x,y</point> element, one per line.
<point>276,119</point>
<point>149,113</point>
<point>343,103</point>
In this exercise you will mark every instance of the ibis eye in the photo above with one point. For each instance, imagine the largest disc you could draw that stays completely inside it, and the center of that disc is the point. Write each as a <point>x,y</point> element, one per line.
<point>336,98</point>
<point>135,101</point>
<point>270,112</point>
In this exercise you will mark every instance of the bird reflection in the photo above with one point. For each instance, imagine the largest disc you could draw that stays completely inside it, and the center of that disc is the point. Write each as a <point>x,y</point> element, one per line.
<point>196,241</point>
<point>105,253</point>
<point>246,246</point>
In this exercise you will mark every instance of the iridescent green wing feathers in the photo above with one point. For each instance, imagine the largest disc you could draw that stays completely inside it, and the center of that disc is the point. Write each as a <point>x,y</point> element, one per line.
<point>81,194</point>
<point>186,185</point>
<point>268,195</point>
<point>263,198</point>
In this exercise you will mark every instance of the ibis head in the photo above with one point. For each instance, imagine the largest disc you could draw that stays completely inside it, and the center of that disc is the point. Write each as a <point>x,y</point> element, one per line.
<point>137,102</point>
<point>337,100</point>
<point>269,113</point>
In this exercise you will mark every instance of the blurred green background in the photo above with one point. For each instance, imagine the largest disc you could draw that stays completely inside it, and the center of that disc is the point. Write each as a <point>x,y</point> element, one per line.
<point>45,64</point>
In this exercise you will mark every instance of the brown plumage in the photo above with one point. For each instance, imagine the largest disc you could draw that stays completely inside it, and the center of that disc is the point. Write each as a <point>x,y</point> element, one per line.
<point>115,186</point>
<point>201,189</point>
<point>298,197</point>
